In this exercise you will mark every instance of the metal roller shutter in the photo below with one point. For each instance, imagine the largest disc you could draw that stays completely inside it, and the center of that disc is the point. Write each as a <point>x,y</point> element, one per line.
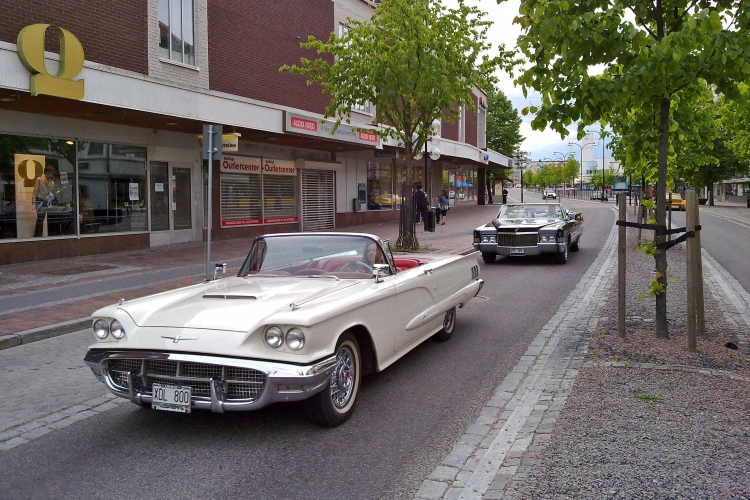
<point>318,200</point>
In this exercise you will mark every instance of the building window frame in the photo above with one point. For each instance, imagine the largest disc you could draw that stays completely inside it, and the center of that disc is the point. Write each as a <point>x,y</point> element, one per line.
<point>180,32</point>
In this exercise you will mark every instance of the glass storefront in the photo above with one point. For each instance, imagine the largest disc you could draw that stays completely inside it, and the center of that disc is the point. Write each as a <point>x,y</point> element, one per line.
<point>379,186</point>
<point>58,187</point>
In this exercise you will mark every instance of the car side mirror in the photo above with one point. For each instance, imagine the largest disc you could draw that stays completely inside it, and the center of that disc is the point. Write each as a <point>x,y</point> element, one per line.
<point>220,268</point>
<point>381,270</point>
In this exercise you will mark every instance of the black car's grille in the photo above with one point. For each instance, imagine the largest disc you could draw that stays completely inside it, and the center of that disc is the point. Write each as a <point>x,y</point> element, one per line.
<point>517,239</point>
<point>245,384</point>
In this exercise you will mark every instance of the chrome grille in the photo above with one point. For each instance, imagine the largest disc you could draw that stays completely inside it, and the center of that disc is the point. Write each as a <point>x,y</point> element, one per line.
<point>239,383</point>
<point>161,367</point>
<point>517,239</point>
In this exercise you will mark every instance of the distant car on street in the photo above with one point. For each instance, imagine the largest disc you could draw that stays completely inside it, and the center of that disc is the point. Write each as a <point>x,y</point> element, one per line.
<point>549,194</point>
<point>677,202</point>
<point>518,185</point>
<point>530,229</point>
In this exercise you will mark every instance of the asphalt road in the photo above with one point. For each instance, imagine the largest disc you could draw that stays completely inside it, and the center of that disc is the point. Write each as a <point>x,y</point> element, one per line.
<point>726,240</point>
<point>407,418</point>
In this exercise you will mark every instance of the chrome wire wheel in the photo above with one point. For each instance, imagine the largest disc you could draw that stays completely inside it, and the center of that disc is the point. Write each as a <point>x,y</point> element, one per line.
<point>335,403</point>
<point>449,324</point>
<point>449,320</point>
<point>343,377</point>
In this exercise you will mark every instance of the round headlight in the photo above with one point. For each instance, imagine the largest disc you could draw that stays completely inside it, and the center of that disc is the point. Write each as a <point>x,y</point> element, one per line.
<point>274,337</point>
<point>295,339</point>
<point>101,329</point>
<point>117,330</point>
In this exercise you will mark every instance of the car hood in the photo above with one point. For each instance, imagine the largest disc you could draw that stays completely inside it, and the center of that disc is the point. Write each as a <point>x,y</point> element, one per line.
<point>508,225</point>
<point>234,304</point>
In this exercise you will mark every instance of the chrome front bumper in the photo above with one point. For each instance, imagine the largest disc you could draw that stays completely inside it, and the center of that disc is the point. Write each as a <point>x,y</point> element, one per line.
<point>282,381</point>
<point>541,248</point>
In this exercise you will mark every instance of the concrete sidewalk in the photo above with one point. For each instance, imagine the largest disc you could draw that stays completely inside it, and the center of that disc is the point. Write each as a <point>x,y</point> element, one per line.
<point>40,300</point>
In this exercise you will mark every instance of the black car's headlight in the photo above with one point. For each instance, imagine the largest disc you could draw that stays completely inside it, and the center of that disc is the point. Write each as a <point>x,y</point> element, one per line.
<point>546,238</point>
<point>486,238</point>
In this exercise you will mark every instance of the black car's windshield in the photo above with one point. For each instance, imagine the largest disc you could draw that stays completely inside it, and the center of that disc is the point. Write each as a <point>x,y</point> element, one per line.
<point>531,211</point>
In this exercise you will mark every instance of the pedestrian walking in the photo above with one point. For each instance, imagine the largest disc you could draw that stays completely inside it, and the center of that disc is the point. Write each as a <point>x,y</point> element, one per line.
<point>420,199</point>
<point>443,202</point>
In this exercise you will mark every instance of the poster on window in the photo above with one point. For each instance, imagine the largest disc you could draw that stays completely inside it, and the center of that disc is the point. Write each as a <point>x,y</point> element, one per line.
<point>28,169</point>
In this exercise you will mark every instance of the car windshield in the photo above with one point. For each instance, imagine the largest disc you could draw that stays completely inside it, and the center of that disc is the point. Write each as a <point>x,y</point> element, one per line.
<point>531,211</point>
<point>310,255</point>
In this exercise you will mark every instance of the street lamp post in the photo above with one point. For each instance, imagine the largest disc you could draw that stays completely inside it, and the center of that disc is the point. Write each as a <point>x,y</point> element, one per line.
<point>581,148</point>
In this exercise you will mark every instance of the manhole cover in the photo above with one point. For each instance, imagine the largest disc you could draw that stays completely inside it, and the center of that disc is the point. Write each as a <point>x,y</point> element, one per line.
<point>77,270</point>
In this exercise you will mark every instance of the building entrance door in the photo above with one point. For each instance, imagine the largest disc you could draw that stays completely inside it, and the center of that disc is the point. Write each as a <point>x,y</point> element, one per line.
<point>171,204</point>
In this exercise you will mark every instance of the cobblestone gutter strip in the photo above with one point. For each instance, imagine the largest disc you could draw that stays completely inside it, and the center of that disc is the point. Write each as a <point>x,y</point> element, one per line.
<point>672,368</point>
<point>41,426</point>
<point>522,413</point>
<point>734,299</point>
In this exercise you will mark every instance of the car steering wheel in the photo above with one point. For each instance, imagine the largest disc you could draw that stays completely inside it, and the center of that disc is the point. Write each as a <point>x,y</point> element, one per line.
<point>356,266</point>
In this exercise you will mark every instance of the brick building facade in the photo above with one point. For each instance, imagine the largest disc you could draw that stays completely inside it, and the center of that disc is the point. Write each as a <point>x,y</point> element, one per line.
<point>121,168</point>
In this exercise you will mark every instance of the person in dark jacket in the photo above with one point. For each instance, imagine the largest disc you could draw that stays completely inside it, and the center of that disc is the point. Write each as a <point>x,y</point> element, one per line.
<point>442,211</point>
<point>420,199</point>
<point>505,195</point>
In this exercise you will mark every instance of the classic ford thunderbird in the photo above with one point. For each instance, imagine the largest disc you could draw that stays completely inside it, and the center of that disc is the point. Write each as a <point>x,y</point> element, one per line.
<point>530,229</point>
<point>307,316</point>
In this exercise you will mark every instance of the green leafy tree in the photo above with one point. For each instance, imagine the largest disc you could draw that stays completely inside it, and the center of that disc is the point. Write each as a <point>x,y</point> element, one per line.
<point>415,61</point>
<point>650,51</point>
<point>503,133</point>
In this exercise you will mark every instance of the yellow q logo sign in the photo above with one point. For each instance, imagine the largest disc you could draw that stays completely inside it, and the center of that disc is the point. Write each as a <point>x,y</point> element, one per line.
<point>31,52</point>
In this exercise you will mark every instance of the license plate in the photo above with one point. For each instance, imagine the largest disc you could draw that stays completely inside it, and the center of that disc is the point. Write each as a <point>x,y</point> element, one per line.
<point>171,398</point>
<point>516,251</point>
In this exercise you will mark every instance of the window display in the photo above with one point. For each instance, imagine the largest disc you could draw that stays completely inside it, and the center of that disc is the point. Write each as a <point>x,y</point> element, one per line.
<point>41,196</point>
<point>379,186</point>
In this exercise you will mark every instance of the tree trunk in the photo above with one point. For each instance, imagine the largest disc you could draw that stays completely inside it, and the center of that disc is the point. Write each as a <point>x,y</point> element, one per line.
<point>711,195</point>
<point>407,239</point>
<point>662,330</point>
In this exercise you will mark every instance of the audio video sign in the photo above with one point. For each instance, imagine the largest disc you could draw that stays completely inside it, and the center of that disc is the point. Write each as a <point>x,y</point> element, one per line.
<point>308,125</point>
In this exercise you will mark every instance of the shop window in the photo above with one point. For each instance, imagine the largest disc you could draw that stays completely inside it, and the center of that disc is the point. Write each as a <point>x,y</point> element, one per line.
<point>177,31</point>
<point>112,189</point>
<point>278,199</point>
<point>379,186</point>
<point>240,200</point>
<point>250,197</point>
<point>37,178</point>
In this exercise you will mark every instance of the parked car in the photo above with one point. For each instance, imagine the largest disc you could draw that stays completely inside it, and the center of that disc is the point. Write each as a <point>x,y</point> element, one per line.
<point>518,185</point>
<point>530,229</point>
<point>677,202</point>
<point>306,316</point>
<point>549,194</point>
<point>599,195</point>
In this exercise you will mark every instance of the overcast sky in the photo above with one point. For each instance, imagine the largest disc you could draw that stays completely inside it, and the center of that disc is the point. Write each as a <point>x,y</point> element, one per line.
<point>539,144</point>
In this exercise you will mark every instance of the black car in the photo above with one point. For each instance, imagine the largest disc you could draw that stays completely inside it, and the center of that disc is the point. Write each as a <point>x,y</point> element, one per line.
<point>530,229</point>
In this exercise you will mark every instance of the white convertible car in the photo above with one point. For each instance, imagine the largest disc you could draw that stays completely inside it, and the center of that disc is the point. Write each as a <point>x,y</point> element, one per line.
<point>307,315</point>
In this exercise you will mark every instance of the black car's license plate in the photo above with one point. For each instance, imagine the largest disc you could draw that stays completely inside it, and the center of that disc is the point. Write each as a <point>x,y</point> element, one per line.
<point>517,251</point>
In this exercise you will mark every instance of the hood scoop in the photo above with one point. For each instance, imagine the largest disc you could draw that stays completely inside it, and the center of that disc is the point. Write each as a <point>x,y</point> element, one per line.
<point>230,296</point>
